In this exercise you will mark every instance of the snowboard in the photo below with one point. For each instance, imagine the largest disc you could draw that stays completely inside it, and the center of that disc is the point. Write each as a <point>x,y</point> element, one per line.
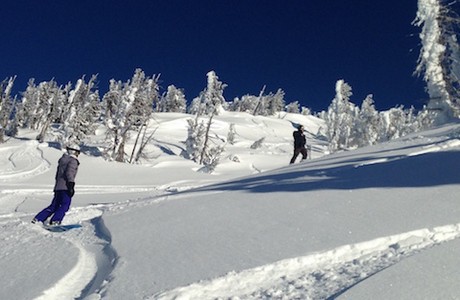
<point>61,228</point>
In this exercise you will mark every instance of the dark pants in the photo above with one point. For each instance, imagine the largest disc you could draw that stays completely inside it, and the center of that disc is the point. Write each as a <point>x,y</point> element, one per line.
<point>59,206</point>
<point>297,151</point>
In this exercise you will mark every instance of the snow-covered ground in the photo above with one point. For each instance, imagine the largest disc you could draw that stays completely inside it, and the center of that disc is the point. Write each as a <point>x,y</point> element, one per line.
<point>380,222</point>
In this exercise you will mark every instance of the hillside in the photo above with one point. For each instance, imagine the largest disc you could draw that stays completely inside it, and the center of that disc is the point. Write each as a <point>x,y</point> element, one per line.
<point>379,222</point>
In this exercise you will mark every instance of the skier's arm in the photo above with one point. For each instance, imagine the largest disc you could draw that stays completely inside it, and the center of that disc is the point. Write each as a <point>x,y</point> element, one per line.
<point>71,173</point>
<point>72,169</point>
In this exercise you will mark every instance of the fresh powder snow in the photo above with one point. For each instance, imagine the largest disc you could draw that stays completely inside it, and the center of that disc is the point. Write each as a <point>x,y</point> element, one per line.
<point>380,222</point>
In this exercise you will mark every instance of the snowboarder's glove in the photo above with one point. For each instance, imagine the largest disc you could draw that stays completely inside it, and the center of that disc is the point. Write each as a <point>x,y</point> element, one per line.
<point>70,189</point>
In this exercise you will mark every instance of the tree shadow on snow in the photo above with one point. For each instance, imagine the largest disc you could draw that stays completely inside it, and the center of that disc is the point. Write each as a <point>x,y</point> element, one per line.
<point>424,170</point>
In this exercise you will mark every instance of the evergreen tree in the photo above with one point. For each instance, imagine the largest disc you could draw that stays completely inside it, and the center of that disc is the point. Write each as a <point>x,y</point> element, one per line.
<point>367,123</point>
<point>395,123</point>
<point>210,103</point>
<point>247,103</point>
<point>439,57</point>
<point>231,134</point>
<point>212,98</point>
<point>212,158</point>
<point>195,107</point>
<point>293,107</point>
<point>81,112</point>
<point>42,106</point>
<point>128,106</point>
<point>340,118</point>
<point>6,108</point>
<point>173,101</point>
<point>260,104</point>
<point>195,139</point>
<point>305,111</point>
<point>275,102</point>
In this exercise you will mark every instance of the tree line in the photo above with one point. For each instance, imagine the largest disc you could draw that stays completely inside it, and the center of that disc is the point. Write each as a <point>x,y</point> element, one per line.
<point>75,111</point>
<point>126,109</point>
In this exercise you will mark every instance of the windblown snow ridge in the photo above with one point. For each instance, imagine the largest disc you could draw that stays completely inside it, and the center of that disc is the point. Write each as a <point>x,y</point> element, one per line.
<point>321,275</point>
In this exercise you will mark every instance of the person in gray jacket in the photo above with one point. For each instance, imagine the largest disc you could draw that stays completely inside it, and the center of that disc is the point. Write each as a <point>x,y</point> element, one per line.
<point>63,188</point>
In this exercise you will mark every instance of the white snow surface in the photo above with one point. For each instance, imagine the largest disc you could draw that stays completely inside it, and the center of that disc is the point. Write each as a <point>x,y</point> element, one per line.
<point>380,222</point>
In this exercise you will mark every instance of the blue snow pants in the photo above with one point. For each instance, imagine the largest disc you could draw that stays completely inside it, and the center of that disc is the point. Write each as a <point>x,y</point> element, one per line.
<point>58,207</point>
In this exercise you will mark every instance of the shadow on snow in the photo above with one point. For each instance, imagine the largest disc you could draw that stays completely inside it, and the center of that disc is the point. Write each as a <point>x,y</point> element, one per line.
<point>424,170</point>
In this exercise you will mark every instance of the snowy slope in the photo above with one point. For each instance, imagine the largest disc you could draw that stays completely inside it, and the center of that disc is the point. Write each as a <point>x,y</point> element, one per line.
<point>380,222</point>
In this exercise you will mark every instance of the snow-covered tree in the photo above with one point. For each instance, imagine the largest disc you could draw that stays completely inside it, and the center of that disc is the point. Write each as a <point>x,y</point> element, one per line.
<point>128,106</point>
<point>275,102</point>
<point>195,107</point>
<point>6,107</point>
<point>340,117</point>
<point>231,134</point>
<point>80,112</point>
<point>25,114</point>
<point>305,111</point>
<point>293,107</point>
<point>210,103</point>
<point>366,125</point>
<point>439,58</point>
<point>211,100</point>
<point>173,101</point>
<point>263,105</point>
<point>423,120</point>
<point>395,123</point>
<point>212,158</point>
<point>195,139</point>
<point>247,103</point>
<point>260,104</point>
<point>76,110</point>
<point>43,105</point>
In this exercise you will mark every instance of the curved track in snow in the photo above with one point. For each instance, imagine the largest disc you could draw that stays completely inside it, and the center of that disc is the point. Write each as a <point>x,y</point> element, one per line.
<point>23,160</point>
<point>323,275</point>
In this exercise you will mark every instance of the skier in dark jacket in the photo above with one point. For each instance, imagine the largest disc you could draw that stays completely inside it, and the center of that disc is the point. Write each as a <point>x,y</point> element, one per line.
<point>299,144</point>
<point>63,188</point>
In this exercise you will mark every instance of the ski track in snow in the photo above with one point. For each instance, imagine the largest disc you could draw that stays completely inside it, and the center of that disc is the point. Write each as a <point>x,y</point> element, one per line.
<point>71,285</point>
<point>23,161</point>
<point>323,275</point>
<point>96,258</point>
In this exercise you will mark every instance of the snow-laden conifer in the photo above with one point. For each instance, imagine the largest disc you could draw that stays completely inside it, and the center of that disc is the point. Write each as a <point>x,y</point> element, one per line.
<point>366,125</point>
<point>42,105</point>
<point>293,107</point>
<point>173,101</point>
<point>127,107</point>
<point>200,146</point>
<point>231,134</point>
<point>340,117</point>
<point>439,57</point>
<point>81,112</point>
<point>6,107</point>
<point>275,103</point>
<point>246,103</point>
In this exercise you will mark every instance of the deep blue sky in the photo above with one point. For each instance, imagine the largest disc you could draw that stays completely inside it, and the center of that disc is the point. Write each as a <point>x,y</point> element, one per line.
<point>301,46</point>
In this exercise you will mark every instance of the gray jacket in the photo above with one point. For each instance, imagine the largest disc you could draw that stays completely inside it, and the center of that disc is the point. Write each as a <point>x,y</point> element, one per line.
<point>66,172</point>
